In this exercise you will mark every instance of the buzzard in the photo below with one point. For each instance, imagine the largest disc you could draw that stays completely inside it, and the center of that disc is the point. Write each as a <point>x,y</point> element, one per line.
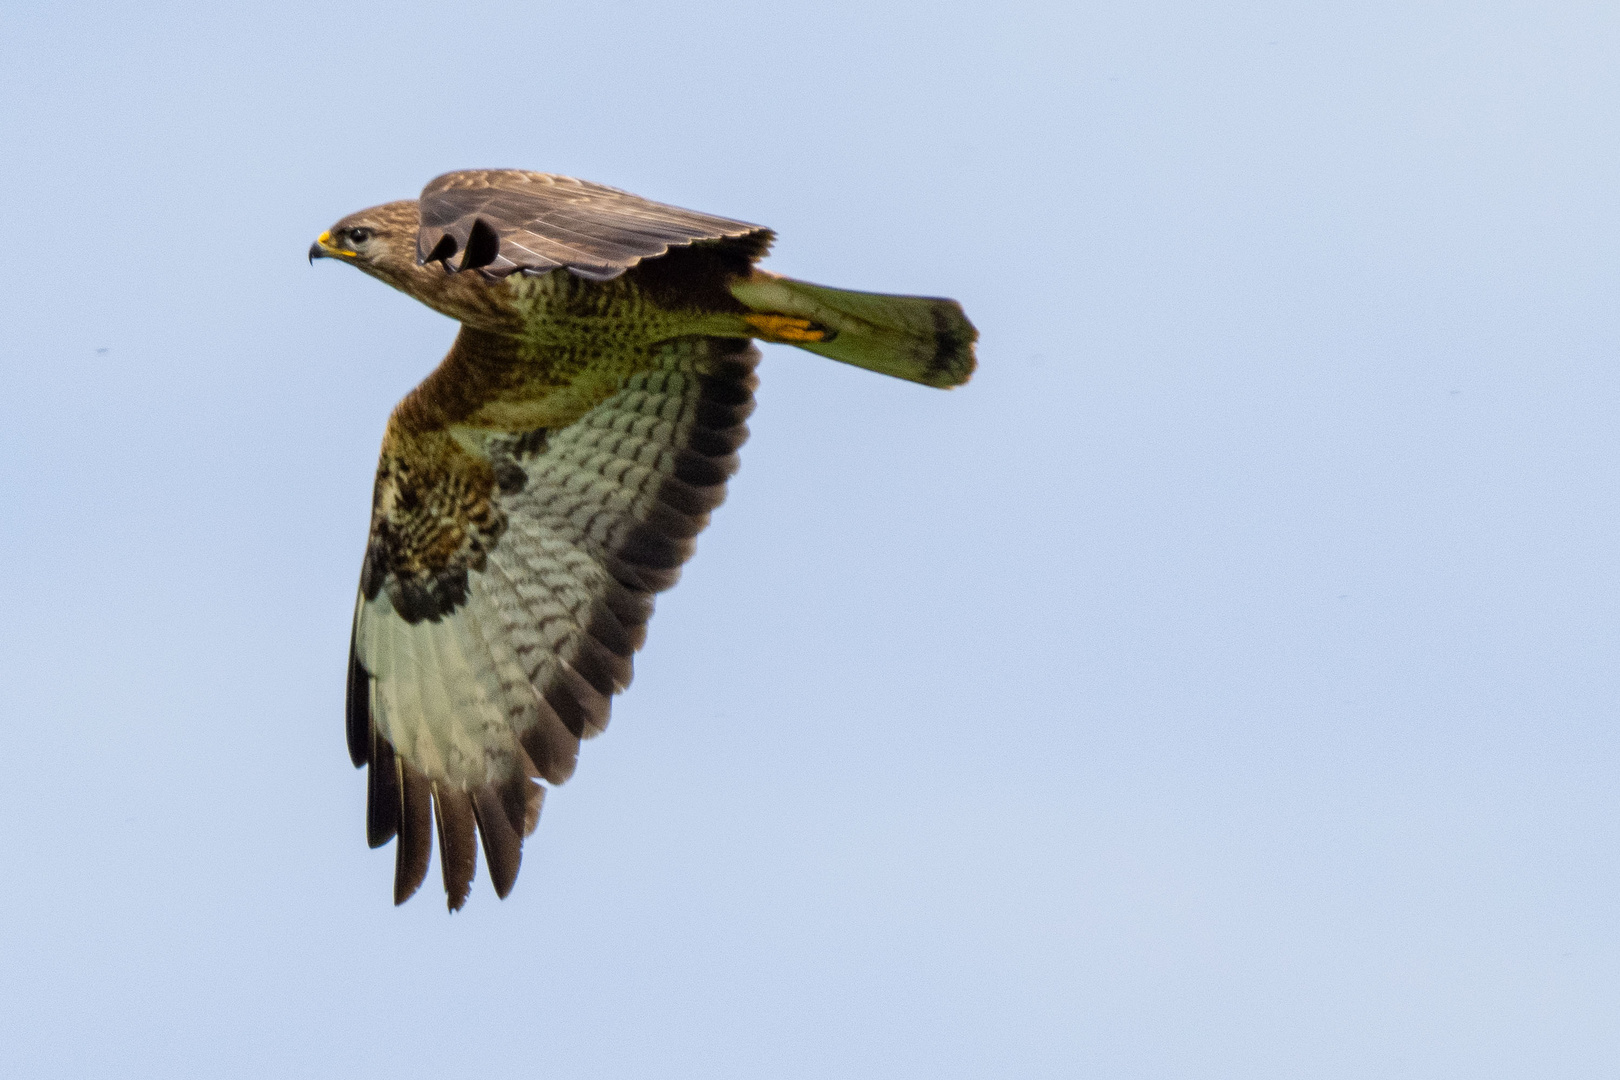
<point>548,478</point>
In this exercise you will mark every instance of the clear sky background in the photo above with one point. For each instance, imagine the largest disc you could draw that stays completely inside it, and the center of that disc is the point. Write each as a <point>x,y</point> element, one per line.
<point>1223,684</point>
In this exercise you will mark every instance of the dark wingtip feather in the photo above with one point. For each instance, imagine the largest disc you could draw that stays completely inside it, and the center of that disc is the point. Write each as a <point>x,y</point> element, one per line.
<point>458,847</point>
<point>415,845</point>
<point>552,749</point>
<point>382,795</point>
<point>600,666</point>
<point>579,705</point>
<point>503,842</point>
<point>483,246</point>
<point>443,251</point>
<point>752,245</point>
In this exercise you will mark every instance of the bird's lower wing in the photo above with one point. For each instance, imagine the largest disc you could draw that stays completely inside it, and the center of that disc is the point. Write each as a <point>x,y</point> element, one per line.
<point>505,592</point>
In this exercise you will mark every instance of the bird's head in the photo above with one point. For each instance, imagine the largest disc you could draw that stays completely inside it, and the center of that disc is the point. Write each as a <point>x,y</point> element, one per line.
<point>380,241</point>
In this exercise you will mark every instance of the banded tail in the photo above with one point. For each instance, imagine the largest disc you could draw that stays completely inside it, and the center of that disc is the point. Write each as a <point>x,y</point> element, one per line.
<point>922,339</point>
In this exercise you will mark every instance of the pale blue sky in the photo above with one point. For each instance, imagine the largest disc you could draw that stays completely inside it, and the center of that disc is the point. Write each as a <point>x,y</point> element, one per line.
<point>1222,684</point>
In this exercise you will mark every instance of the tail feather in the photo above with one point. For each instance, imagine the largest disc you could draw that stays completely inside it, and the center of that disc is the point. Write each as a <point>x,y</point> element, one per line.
<point>919,338</point>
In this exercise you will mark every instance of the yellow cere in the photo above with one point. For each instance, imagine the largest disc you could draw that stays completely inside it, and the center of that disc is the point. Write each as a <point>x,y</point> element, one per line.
<point>325,240</point>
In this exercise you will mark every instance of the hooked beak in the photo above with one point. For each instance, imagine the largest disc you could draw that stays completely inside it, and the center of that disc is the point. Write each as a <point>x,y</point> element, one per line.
<point>323,248</point>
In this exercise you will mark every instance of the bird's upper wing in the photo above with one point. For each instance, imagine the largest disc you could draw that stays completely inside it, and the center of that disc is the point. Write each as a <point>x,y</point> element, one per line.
<point>505,220</point>
<point>507,582</point>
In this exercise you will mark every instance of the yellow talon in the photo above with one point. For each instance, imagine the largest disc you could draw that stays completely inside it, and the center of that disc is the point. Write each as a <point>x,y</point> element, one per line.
<point>788,329</point>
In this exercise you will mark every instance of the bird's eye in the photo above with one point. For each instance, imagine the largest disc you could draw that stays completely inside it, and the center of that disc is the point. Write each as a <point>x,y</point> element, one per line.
<point>359,236</point>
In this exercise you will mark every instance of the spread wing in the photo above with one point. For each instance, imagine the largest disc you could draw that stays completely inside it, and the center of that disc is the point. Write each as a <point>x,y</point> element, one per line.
<point>506,220</point>
<point>508,580</point>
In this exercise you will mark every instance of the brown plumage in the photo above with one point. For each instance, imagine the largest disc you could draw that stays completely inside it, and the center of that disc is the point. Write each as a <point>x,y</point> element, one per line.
<point>550,476</point>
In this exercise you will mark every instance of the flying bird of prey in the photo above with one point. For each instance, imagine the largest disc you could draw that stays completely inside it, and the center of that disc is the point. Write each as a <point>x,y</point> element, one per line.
<point>548,478</point>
